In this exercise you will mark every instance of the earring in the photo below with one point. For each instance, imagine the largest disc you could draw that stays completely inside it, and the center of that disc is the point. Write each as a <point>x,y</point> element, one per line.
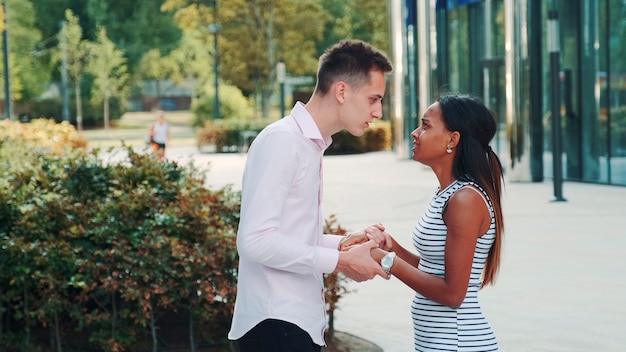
<point>449,150</point>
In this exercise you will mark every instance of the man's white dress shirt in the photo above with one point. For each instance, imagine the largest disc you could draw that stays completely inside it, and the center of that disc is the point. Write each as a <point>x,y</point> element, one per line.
<point>282,249</point>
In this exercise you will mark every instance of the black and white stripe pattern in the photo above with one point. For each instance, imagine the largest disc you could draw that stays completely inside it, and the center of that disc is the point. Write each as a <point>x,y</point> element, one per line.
<point>437,327</point>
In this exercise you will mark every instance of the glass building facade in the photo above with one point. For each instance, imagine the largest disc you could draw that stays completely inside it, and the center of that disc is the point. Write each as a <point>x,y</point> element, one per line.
<point>520,56</point>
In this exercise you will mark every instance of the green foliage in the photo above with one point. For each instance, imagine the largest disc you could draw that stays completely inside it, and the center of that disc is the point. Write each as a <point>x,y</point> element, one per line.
<point>359,19</point>
<point>269,31</point>
<point>99,247</point>
<point>376,138</point>
<point>135,27</point>
<point>108,66</point>
<point>28,70</point>
<point>226,135</point>
<point>233,105</point>
<point>334,283</point>
<point>92,115</point>
<point>111,244</point>
<point>74,47</point>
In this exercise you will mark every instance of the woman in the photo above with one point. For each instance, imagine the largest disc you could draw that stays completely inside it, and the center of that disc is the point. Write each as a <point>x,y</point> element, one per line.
<point>159,135</point>
<point>459,237</point>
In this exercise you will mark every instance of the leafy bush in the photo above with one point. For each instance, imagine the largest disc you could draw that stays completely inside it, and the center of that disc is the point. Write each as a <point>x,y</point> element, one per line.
<point>41,133</point>
<point>114,255</point>
<point>334,283</point>
<point>92,115</point>
<point>376,138</point>
<point>226,135</point>
<point>233,104</point>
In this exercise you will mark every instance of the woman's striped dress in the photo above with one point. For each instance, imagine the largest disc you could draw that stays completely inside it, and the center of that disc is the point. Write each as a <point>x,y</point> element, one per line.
<point>441,328</point>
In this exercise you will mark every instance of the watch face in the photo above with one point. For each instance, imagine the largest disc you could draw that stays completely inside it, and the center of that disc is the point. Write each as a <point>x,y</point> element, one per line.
<point>387,261</point>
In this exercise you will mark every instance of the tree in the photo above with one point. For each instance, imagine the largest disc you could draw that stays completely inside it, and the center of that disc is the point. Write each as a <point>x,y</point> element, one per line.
<point>136,27</point>
<point>359,19</point>
<point>74,49</point>
<point>155,67</point>
<point>191,58</point>
<point>269,30</point>
<point>108,65</point>
<point>28,74</point>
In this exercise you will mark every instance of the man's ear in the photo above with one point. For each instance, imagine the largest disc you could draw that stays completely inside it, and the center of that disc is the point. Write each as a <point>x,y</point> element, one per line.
<point>339,88</point>
<point>455,138</point>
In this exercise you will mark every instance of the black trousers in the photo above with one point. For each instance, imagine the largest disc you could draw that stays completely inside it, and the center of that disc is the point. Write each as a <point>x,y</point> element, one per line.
<point>273,335</point>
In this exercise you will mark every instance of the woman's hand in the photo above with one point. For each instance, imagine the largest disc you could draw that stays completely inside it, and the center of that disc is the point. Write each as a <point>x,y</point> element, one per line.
<point>373,232</point>
<point>378,234</point>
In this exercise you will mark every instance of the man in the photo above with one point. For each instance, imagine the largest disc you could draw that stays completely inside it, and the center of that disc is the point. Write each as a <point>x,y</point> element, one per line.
<point>283,251</point>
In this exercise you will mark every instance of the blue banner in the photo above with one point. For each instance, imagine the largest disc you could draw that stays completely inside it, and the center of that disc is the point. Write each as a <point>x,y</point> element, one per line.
<point>411,12</point>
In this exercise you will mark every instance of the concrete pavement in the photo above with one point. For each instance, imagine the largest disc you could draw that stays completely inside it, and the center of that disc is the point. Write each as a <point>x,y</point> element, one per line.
<point>562,282</point>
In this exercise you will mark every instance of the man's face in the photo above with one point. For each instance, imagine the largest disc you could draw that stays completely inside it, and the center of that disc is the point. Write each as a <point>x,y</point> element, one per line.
<point>363,105</point>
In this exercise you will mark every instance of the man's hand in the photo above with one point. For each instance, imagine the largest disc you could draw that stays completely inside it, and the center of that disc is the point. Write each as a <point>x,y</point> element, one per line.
<point>357,263</point>
<point>352,239</point>
<point>372,232</point>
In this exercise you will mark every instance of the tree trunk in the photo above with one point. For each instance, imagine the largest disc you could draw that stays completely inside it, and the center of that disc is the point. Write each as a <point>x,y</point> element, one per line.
<point>192,342</point>
<point>153,329</point>
<point>57,333</point>
<point>107,124</point>
<point>265,101</point>
<point>51,336</point>
<point>79,108</point>
<point>26,341</point>
<point>331,326</point>
<point>114,317</point>
<point>158,95</point>
<point>1,319</point>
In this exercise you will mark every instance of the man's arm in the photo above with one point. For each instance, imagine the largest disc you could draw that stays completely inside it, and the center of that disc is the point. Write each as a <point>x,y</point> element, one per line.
<point>357,263</point>
<point>272,165</point>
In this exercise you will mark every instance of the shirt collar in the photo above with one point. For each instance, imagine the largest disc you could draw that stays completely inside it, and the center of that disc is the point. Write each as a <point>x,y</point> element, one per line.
<point>308,126</point>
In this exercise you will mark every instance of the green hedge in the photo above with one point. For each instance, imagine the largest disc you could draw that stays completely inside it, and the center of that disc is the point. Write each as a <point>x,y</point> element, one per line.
<point>226,136</point>
<point>113,255</point>
<point>93,116</point>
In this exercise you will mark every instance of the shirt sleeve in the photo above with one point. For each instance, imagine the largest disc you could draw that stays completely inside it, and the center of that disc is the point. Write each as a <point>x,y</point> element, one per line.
<point>331,241</point>
<point>273,163</point>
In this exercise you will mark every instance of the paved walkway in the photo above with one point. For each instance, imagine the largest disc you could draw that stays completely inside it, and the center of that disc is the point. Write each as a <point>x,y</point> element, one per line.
<point>562,283</point>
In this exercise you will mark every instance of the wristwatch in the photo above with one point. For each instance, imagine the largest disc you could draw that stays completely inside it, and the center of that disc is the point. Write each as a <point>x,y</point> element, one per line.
<point>387,262</point>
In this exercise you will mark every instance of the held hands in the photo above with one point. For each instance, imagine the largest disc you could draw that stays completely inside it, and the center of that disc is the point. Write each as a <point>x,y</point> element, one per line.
<point>356,249</point>
<point>374,232</point>
<point>357,263</point>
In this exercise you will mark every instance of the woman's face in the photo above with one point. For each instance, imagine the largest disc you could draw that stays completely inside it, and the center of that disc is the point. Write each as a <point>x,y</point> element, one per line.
<point>431,138</point>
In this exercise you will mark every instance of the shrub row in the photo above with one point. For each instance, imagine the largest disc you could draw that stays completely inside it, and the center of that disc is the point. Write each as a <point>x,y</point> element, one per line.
<point>228,135</point>
<point>124,255</point>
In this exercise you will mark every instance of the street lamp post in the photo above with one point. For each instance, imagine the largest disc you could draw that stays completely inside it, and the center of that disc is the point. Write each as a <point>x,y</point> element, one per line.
<point>214,29</point>
<point>555,111</point>
<point>7,77</point>
<point>64,74</point>
<point>280,77</point>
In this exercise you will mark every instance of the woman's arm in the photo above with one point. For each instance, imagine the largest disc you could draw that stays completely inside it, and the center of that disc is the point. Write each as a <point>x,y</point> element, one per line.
<point>465,217</point>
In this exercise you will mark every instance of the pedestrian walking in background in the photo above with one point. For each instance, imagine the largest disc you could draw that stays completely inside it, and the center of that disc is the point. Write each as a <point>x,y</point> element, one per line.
<point>159,135</point>
<point>283,252</point>
<point>459,237</point>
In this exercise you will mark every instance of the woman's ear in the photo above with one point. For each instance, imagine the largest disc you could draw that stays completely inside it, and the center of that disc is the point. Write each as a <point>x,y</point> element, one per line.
<point>455,138</point>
